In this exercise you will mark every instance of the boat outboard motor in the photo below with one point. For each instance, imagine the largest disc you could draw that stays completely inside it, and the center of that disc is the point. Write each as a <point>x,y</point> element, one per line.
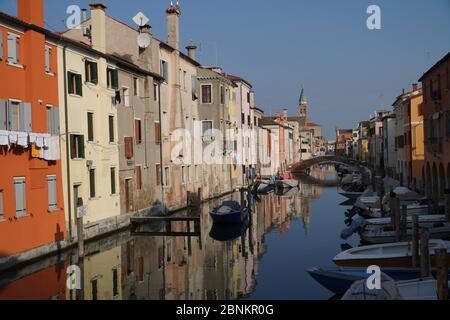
<point>356,226</point>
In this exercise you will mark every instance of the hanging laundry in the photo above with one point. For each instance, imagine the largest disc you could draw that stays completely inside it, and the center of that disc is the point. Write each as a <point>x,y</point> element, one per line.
<point>4,139</point>
<point>39,140</point>
<point>22,139</point>
<point>47,138</point>
<point>33,138</point>
<point>52,151</point>
<point>13,136</point>
<point>35,151</point>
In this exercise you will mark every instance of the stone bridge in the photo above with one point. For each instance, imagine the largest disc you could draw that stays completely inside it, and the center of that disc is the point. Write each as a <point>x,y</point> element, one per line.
<point>305,164</point>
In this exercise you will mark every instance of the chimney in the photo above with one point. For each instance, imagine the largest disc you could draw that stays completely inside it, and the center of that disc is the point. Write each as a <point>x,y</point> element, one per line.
<point>98,26</point>
<point>173,25</point>
<point>31,11</point>
<point>145,54</point>
<point>415,87</point>
<point>83,15</point>
<point>191,50</point>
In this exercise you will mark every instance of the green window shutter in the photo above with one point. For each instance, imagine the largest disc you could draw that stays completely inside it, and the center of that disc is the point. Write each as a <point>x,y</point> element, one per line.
<point>90,123</point>
<point>108,77</point>
<point>81,145</point>
<point>94,72</point>
<point>86,71</point>
<point>115,79</point>
<point>79,83</point>
<point>72,146</point>
<point>70,82</point>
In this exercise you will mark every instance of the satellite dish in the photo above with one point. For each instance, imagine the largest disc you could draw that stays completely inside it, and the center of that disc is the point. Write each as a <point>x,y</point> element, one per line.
<point>140,19</point>
<point>143,40</point>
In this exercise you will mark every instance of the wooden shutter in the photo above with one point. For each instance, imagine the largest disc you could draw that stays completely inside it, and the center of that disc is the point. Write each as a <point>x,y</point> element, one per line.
<point>157,133</point>
<point>73,147</point>
<point>12,49</point>
<point>94,72</point>
<point>25,117</point>
<point>3,123</point>
<point>47,59</point>
<point>51,185</point>
<point>90,123</point>
<point>138,130</point>
<point>115,79</point>
<point>158,174</point>
<point>81,146</point>
<point>92,183</point>
<point>128,147</point>
<point>111,128</point>
<point>70,76</point>
<point>79,85</point>
<point>138,177</point>
<point>55,121</point>
<point>1,45</point>
<point>19,193</point>
<point>113,180</point>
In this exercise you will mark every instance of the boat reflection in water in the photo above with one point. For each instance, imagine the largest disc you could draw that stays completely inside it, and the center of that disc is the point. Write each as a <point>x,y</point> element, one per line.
<point>218,263</point>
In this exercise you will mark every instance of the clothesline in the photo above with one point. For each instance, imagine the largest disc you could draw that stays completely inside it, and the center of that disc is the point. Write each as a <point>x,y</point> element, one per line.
<point>45,146</point>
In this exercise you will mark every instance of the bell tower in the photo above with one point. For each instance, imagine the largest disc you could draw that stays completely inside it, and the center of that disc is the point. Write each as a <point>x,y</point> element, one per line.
<point>303,105</point>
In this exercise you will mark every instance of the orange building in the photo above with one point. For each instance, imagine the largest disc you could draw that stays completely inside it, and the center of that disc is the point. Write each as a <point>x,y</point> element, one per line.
<point>31,197</point>
<point>436,114</point>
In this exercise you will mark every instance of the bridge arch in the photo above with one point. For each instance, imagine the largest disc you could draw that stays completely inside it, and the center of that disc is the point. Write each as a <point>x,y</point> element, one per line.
<point>305,164</point>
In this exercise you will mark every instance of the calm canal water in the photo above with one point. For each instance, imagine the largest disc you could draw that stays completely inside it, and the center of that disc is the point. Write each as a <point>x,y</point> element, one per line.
<point>268,260</point>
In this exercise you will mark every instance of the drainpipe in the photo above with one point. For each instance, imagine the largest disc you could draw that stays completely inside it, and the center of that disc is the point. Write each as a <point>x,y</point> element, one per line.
<point>66,121</point>
<point>161,147</point>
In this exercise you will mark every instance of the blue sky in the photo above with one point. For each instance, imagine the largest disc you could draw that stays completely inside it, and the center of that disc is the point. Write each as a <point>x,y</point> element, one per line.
<point>347,70</point>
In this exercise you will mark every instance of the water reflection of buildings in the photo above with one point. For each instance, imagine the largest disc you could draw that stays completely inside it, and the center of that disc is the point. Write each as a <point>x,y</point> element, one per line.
<point>175,268</point>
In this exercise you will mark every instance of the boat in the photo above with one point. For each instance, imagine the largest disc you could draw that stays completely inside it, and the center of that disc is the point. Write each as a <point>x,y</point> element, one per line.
<point>422,219</point>
<point>339,280</point>
<point>349,194</point>
<point>418,289</point>
<point>286,183</point>
<point>385,255</point>
<point>265,186</point>
<point>229,212</point>
<point>387,234</point>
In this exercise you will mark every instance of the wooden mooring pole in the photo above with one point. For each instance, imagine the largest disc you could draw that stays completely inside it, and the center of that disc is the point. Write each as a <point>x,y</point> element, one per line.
<point>442,273</point>
<point>392,209</point>
<point>398,214</point>
<point>447,204</point>
<point>424,253</point>
<point>415,241</point>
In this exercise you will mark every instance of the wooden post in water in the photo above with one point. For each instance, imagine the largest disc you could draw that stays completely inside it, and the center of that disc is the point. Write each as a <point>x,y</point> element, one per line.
<point>392,209</point>
<point>404,223</point>
<point>398,215</point>
<point>242,198</point>
<point>442,273</point>
<point>189,200</point>
<point>447,204</point>
<point>415,241</point>
<point>424,253</point>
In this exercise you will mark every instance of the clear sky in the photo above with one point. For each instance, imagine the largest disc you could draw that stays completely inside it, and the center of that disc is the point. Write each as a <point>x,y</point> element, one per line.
<point>347,70</point>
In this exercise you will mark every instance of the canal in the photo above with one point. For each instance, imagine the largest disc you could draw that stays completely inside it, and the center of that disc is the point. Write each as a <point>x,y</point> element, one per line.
<point>267,259</point>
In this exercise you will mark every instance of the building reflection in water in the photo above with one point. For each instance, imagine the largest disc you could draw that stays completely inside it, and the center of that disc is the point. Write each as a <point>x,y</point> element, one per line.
<point>169,267</point>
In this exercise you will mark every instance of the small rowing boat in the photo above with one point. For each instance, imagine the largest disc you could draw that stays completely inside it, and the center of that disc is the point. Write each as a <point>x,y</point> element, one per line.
<point>230,212</point>
<point>385,255</point>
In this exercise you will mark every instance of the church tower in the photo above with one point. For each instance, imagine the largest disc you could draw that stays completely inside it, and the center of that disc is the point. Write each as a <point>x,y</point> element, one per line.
<point>303,105</point>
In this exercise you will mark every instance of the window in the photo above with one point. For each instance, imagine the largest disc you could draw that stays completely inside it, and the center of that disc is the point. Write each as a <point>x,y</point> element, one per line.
<point>90,124</point>
<point>136,87</point>
<point>129,152</point>
<point>165,71</point>
<point>77,146</point>
<point>91,71</point>
<point>184,80</point>
<point>248,97</point>
<point>138,130</point>
<point>158,174</point>
<point>141,269</point>
<point>92,183</point>
<point>48,52</point>
<point>112,78</point>
<point>222,95</point>
<point>155,92</point>
<point>126,97</point>
<point>20,197</point>
<point>183,175</point>
<point>194,88</point>
<point>138,171</point>
<point>1,205</point>
<point>74,83</point>
<point>52,114</point>
<point>18,116</point>
<point>13,49</point>
<point>115,277</point>
<point>94,290</point>
<point>166,176</point>
<point>51,187</point>
<point>207,126</point>
<point>113,180</point>
<point>111,128</point>
<point>157,133</point>
<point>207,93</point>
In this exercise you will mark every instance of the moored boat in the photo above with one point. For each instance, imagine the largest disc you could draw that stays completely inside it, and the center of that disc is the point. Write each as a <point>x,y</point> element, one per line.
<point>385,255</point>
<point>230,212</point>
<point>422,219</point>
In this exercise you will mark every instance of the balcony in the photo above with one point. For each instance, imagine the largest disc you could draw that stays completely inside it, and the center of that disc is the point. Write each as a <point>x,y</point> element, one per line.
<point>435,145</point>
